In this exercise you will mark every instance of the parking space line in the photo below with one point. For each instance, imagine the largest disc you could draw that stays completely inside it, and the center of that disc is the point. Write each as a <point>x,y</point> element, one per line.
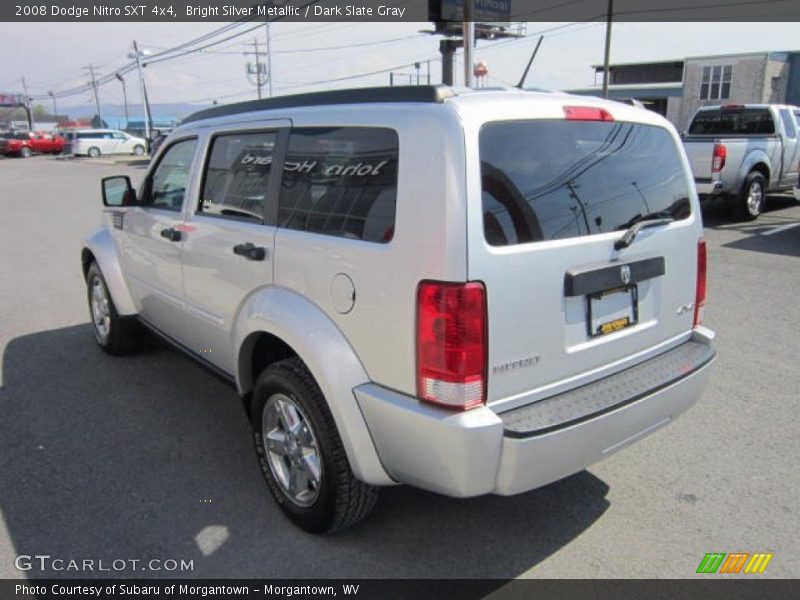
<point>780,228</point>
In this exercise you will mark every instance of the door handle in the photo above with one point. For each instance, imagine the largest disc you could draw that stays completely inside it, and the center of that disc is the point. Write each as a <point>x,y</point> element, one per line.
<point>173,235</point>
<point>250,251</point>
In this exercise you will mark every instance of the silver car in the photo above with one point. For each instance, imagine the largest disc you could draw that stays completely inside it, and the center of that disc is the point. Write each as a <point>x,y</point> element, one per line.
<point>471,292</point>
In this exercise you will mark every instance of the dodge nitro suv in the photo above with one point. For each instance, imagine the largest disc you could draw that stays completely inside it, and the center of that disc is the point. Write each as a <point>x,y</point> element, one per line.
<point>471,292</point>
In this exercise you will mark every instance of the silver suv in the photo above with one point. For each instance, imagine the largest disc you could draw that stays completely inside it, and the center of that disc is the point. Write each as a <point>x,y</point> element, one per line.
<point>471,292</point>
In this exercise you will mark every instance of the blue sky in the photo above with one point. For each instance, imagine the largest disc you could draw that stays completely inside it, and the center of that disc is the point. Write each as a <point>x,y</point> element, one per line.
<point>563,62</point>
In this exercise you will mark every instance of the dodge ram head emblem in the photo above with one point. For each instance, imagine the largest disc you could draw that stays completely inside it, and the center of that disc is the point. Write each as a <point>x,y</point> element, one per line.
<point>625,274</point>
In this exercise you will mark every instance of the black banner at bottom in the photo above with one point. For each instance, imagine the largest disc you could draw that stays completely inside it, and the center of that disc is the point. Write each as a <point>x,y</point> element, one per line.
<point>402,589</point>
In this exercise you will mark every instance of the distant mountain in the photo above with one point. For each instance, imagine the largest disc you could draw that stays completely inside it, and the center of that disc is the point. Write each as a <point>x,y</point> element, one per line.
<point>135,111</point>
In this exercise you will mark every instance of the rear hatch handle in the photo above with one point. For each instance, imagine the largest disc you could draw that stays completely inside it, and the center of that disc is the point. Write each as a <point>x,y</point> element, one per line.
<point>643,223</point>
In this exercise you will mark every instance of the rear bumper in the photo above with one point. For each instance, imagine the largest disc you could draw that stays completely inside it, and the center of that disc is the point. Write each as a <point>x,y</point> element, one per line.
<point>708,187</point>
<point>479,452</point>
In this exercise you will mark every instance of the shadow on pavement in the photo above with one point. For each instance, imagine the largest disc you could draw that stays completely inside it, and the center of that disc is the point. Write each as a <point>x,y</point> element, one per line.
<point>718,215</point>
<point>150,457</point>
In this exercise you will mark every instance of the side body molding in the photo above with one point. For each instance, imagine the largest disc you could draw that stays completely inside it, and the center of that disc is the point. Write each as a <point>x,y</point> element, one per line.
<point>101,244</point>
<point>329,357</point>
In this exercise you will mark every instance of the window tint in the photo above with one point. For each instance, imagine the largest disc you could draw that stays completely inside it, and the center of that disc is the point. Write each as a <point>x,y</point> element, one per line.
<point>167,184</point>
<point>341,181</point>
<point>732,121</point>
<point>545,180</point>
<point>237,176</point>
<point>788,123</point>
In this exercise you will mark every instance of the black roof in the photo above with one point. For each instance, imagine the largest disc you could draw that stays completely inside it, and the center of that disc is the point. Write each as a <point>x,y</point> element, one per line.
<point>435,94</point>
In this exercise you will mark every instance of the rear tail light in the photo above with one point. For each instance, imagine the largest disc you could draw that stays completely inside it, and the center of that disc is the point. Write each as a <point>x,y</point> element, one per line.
<point>586,113</point>
<point>700,290</point>
<point>451,344</point>
<point>718,158</point>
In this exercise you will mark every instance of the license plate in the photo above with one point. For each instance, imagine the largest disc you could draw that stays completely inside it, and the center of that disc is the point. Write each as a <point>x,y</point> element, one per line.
<point>612,311</point>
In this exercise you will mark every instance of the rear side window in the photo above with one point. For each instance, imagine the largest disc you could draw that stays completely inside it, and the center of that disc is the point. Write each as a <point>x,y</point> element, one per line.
<point>237,176</point>
<point>547,180</point>
<point>340,181</point>
<point>733,121</point>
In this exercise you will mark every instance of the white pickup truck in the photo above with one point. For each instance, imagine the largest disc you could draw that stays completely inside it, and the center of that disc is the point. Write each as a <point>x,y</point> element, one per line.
<point>740,152</point>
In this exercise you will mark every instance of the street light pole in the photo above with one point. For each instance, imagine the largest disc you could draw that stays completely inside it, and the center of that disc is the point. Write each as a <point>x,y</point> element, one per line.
<point>138,56</point>
<point>469,41</point>
<point>124,96</point>
<point>609,18</point>
<point>55,106</point>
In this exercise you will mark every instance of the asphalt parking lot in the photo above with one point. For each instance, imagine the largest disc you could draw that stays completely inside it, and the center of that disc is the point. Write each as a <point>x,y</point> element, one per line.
<point>150,457</point>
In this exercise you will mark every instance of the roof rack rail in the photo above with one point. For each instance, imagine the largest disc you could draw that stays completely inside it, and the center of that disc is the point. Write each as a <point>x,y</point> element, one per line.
<point>435,94</point>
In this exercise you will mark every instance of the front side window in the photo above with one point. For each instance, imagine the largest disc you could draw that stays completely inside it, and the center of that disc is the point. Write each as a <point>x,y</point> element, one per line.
<point>237,176</point>
<point>547,180</point>
<point>340,181</point>
<point>166,186</point>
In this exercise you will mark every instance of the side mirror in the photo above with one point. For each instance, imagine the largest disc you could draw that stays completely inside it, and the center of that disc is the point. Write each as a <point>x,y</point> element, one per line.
<point>118,191</point>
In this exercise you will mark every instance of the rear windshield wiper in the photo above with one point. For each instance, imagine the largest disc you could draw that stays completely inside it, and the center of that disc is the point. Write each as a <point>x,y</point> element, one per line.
<point>635,225</point>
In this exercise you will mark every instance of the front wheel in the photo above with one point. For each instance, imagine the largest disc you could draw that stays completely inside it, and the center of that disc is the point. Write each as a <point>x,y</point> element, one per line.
<point>752,198</point>
<point>138,150</point>
<point>301,453</point>
<point>115,335</point>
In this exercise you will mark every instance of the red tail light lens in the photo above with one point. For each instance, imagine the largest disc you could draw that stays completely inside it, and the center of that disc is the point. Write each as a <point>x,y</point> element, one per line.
<point>586,113</point>
<point>718,158</point>
<point>700,291</point>
<point>451,344</point>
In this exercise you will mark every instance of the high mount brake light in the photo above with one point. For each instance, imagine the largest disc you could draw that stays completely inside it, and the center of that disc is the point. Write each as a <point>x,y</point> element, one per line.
<point>586,113</point>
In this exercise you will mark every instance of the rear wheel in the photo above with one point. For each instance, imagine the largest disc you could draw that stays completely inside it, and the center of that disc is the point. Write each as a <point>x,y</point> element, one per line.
<point>25,152</point>
<point>301,453</point>
<point>115,335</point>
<point>94,152</point>
<point>752,198</point>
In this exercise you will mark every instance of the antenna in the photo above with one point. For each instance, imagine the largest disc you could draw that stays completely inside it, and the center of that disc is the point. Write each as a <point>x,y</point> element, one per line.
<point>530,62</point>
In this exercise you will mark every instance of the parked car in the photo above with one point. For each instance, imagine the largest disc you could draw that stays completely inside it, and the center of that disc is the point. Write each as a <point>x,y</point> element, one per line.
<point>97,142</point>
<point>470,292</point>
<point>741,152</point>
<point>25,144</point>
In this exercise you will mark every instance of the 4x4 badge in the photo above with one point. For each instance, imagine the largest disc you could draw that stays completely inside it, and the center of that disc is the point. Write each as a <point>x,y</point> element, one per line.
<point>625,274</point>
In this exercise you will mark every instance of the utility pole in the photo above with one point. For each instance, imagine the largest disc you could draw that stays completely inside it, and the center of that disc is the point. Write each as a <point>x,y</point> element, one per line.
<point>147,123</point>
<point>609,18</point>
<point>90,68</point>
<point>469,42</point>
<point>27,105</point>
<point>259,72</point>
<point>124,96</point>
<point>269,60</point>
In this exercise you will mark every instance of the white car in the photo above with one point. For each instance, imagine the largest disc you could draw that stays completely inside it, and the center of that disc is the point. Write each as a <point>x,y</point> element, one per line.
<point>468,292</point>
<point>96,142</point>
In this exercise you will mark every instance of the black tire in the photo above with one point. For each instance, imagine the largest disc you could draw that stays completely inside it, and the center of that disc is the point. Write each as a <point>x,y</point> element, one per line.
<point>341,499</point>
<point>138,150</point>
<point>120,335</point>
<point>752,198</point>
<point>25,152</point>
<point>94,152</point>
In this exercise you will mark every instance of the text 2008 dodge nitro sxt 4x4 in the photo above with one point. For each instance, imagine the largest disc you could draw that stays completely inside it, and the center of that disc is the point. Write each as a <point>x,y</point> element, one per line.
<point>471,292</point>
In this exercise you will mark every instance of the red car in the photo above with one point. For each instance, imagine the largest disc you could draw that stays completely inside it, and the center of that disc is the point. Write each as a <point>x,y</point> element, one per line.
<point>25,144</point>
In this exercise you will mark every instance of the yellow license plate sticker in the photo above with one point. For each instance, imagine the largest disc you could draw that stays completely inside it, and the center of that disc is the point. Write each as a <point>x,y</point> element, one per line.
<point>614,325</point>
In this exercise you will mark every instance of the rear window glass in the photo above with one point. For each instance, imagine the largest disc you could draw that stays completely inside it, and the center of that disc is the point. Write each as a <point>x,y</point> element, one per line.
<point>340,181</point>
<point>546,180</point>
<point>733,121</point>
